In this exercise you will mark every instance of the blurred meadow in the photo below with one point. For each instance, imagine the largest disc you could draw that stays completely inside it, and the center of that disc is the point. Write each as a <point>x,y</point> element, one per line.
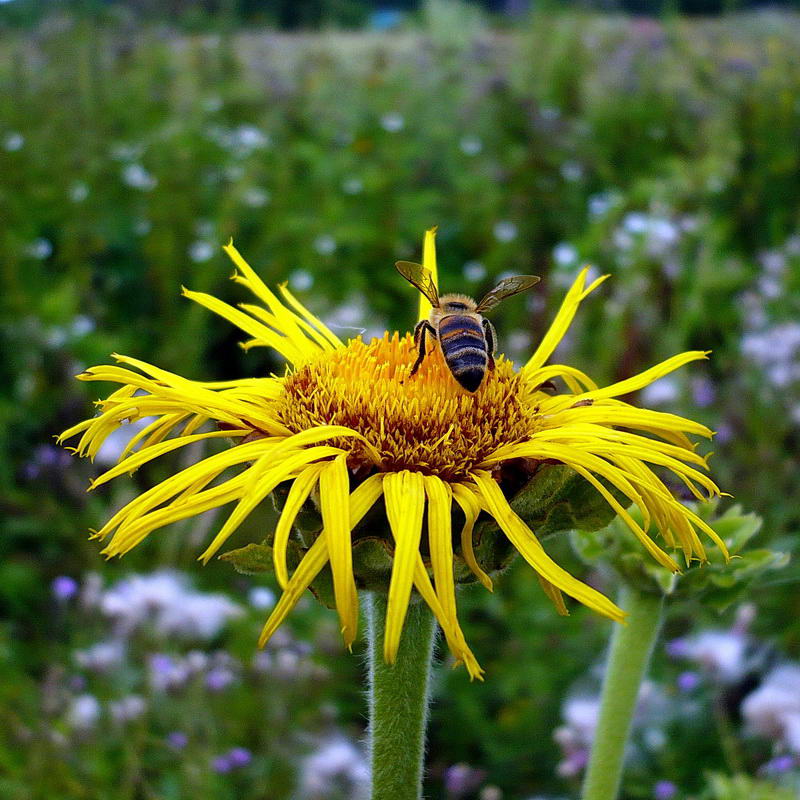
<point>662,151</point>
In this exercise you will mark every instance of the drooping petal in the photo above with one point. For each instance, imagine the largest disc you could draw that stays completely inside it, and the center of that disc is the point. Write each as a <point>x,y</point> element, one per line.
<point>308,569</point>
<point>301,488</point>
<point>334,493</point>
<point>405,502</point>
<point>471,508</point>
<point>440,540</point>
<point>554,595</point>
<point>361,500</point>
<point>532,551</point>
<point>450,627</point>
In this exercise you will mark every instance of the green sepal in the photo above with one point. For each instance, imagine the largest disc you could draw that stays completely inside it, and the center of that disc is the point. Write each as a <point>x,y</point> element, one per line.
<point>256,559</point>
<point>717,583</point>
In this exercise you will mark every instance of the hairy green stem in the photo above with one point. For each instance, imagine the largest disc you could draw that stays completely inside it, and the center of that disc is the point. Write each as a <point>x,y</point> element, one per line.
<point>398,701</point>
<point>631,646</point>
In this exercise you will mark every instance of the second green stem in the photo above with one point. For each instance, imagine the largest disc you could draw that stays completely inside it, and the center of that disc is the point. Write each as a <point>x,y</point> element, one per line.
<point>631,647</point>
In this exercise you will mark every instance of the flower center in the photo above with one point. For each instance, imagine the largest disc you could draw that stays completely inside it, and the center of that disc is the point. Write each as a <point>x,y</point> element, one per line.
<point>425,422</point>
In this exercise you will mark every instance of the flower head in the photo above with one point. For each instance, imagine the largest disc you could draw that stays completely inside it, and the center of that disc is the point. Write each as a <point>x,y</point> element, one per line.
<point>348,425</point>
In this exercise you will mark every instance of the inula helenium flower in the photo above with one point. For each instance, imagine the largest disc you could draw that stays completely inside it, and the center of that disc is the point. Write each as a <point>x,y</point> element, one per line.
<point>347,425</point>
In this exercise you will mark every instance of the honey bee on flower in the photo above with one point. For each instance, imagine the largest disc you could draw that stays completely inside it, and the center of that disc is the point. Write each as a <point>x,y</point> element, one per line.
<point>345,428</point>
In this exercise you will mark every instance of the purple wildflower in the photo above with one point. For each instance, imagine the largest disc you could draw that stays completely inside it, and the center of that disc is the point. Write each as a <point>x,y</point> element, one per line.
<point>239,757</point>
<point>688,681</point>
<point>221,765</point>
<point>664,790</point>
<point>177,740</point>
<point>64,588</point>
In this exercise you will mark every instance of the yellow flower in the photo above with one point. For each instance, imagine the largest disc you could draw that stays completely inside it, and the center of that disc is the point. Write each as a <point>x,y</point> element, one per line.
<point>347,425</point>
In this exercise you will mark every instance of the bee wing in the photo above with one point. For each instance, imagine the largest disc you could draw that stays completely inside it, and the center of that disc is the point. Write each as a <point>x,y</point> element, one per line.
<point>420,277</point>
<point>507,287</point>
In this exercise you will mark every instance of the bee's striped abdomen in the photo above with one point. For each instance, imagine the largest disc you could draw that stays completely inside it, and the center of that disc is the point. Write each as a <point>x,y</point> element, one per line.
<point>464,347</point>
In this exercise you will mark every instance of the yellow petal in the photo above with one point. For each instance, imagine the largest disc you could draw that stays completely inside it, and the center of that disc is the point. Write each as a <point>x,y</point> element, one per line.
<point>563,320</point>
<point>332,338</point>
<point>265,476</point>
<point>429,262</point>
<point>645,378</point>
<point>361,500</point>
<point>440,541</point>
<point>576,380</point>
<point>143,456</point>
<point>334,493</point>
<point>288,348</point>
<point>554,595</point>
<point>450,628</point>
<point>405,502</point>
<point>469,505</point>
<point>308,569</point>
<point>298,494</point>
<point>532,551</point>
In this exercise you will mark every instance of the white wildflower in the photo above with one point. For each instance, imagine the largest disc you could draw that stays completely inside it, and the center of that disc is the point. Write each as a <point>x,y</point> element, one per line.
<point>200,251</point>
<point>13,142</point>
<point>337,766</point>
<point>83,712</point>
<point>773,710</point>
<point>392,122</point>
<point>137,177</point>
<point>505,231</point>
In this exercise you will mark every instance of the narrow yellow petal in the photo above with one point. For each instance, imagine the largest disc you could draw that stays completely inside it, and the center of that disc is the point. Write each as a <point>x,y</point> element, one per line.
<point>286,322</point>
<point>576,380</point>
<point>314,321</point>
<point>208,468</point>
<point>429,262</point>
<point>450,627</point>
<point>169,421</point>
<point>645,378</point>
<point>563,320</point>
<point>532,551</point>
<point>308,569</point>
<point>298,494</point>
<point>264,477</point>
<point>286,346</point>
<point>405,502</point>
<point>143,456</point>
<point>626,416</point>
<point>651,547</point>
<point>554,595</point>
<point>361,500</point>
<point>469,505</point>
<point>135,528</point>
<point>440,541</point>
<point>334,493</point>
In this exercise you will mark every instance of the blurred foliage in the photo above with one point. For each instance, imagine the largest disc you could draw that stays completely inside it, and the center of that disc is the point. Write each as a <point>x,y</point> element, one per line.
<point>740,787</point>
<point>664,153</point>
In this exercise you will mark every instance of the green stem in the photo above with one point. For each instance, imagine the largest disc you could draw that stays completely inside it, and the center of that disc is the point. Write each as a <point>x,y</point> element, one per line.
<point>631,646</point>
<point>398,701</point>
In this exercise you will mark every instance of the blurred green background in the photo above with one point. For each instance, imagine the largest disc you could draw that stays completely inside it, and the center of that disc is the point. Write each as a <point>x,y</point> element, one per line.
<point>135,139</point>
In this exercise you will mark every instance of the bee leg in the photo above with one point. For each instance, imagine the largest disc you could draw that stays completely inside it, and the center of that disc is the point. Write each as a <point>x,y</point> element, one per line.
<point>491,341</point>
<point>424,327</point>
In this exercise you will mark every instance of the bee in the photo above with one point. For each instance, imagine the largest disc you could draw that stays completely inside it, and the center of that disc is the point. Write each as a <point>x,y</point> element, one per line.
<point>466,338</point>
